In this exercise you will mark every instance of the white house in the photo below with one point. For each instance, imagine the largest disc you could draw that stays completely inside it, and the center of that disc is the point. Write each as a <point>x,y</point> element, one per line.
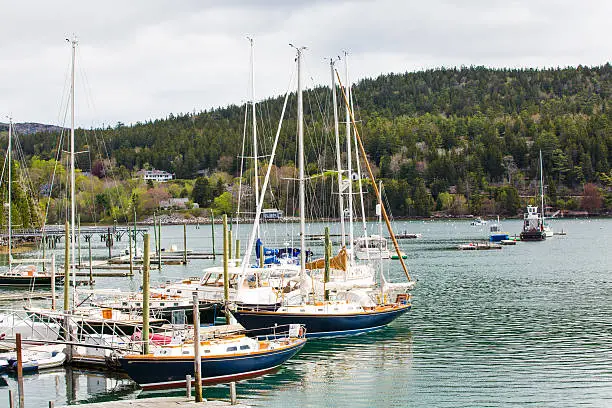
<point>157,175</point>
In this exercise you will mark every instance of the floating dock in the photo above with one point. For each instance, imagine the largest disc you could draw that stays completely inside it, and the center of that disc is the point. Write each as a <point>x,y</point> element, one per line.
<point>162,402</point>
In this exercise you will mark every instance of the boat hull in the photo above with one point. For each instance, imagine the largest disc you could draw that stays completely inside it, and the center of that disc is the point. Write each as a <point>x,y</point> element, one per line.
<point>324,325</point>
<point>151,372</point>
<point>533,236</point>
<point>28,281</point>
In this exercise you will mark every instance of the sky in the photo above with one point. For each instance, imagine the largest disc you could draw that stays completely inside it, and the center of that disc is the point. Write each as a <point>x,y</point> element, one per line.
<point>144,59</point>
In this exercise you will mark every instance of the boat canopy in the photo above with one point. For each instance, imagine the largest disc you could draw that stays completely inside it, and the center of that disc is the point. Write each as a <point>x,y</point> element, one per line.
<point>337,262</point>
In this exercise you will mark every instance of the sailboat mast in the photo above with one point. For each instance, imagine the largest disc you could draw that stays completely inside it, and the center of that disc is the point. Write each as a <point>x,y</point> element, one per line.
<point>349,166</point>
<point>255,153</point>
<point>72,177</point>
<point>363,214</point>
<point>10,182</point>
<point>338,159</point>
<point>300,112</point>
<point>542,186</point>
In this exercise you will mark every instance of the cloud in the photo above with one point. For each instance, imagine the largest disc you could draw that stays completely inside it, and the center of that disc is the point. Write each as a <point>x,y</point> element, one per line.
<point>141,60</point>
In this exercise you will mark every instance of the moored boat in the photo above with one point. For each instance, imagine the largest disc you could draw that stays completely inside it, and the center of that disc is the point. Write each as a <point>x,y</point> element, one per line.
<point>533,227</point>
<point>326,319</point>
<point>228,358</point>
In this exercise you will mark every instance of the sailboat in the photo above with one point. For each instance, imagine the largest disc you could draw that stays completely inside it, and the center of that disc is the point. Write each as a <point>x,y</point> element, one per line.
<point>350,311</point>
<point>26,274</point>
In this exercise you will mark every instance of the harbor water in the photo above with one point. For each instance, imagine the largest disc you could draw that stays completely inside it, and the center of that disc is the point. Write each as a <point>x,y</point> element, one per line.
<point>529,324</point>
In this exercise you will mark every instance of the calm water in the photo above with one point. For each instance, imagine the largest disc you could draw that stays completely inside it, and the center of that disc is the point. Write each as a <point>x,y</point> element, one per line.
<point>526,325</point>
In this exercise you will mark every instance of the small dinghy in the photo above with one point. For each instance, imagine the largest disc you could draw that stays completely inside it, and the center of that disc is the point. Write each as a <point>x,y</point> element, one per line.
<point>40,361</point>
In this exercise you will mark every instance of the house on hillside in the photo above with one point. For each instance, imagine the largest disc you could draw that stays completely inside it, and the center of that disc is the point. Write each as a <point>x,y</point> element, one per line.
<point>156,175</point>
<point>176,203</point>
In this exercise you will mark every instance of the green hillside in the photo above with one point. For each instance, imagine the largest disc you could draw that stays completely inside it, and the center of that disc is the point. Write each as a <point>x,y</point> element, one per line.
<point>458,140</point>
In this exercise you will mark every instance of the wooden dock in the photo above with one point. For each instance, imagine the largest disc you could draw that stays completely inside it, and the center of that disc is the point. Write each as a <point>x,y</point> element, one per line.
<point>162,402</point>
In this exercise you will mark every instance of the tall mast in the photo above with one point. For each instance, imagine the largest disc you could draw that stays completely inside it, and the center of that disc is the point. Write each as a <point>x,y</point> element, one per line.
<point>73,42</point>
<point>363,215</point>
<point>349,166</point>
<point>542,186</point>
<point>255,166</point>
<point>300,112</point>
<point>338,159</point>
<point>10,182</point>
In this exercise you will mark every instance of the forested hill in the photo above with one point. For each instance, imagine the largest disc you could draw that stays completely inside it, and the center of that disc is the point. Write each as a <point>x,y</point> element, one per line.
<point>450,130</point>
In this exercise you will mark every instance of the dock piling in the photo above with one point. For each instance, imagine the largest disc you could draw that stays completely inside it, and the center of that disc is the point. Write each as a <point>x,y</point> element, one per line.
<point>229,242</point>
<point>196,348</point>
<point>90,263</point>
<point>159,262</point>
<point>11,399</point>
<point>226,269</point>
<point>131,255</point>
<point>188,385</point>
<point>19,369</point>
<point>145,295</point>
<point>237,249</point>
<point>327,261</point>
<point>233,393</point>
<point>185,243</point>
<point>212,226</point>
<point>67,268</point>
<point>52,281</point>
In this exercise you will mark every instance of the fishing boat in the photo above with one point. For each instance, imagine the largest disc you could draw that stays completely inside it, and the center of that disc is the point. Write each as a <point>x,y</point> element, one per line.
<point>225,358</point>
<point>346,311</point>
<point>496,234</point>
<point>533,226</point>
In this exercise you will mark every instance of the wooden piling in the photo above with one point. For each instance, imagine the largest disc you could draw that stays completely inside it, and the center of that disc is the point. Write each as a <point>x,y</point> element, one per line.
<point>237,249</point>
<point>109,243</point>
<point>51,404</point>
<point>130,254</point>
<point>196,348</point>
<point>145,295</point>
<point>226,269</point>
<point>327,261</point>
<point>67,267</point>
<point>185,243</point>
<point>212,226</point>
<point>52,281</point>
<point>159,262</point>
<point>188,385</point>
<point>229,242</point>
<point>79,238</point>
<point>19,368</point>
<point>11,399</point>
<point>90,263</point>
<point>233,393</point>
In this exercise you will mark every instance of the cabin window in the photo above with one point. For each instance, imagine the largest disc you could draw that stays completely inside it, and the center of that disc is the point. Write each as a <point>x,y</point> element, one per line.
<point>206,351</point>
<point>176,304</point>
<point>245,347</point>
<point>302,310</point>
<point>137,304</point>
<point>125,303</point>
<point>335,308</point>
<point>162,303</point>
<point>233,348</point>
<point>186,352</point>
<point>179,291</point>
<point>320,310</point>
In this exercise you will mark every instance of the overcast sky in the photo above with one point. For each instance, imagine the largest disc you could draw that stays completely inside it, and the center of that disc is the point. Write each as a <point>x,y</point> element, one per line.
<point>143,59</point>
